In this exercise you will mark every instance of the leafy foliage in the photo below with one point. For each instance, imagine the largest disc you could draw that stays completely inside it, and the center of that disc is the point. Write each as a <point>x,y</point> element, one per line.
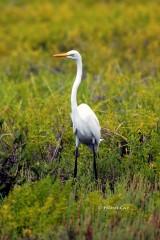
<point>119,42</point>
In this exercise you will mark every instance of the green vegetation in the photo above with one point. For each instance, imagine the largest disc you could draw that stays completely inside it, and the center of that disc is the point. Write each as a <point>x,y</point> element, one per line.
<point>119,42</point>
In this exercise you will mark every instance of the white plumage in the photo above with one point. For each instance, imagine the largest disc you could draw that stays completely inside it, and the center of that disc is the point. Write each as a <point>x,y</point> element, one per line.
<point>86,126</point>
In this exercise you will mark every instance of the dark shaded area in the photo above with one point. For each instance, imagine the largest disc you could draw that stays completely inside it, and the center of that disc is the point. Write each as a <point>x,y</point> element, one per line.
<point>9,169</point>
<point>123,148</point>
<point>14,156</point>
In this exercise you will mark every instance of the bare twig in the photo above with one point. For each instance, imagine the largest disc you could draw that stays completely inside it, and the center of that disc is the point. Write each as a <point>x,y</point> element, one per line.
<point>111,133</point>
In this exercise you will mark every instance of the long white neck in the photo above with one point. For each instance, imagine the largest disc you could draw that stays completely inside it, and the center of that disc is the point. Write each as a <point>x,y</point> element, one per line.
<point>76,84</point>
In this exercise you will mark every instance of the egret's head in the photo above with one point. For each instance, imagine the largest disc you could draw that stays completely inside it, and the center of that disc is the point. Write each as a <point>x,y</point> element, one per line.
<point>73,54</point>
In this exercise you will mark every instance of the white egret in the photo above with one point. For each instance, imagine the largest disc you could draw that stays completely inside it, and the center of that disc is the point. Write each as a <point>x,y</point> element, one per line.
<point>86,126</point>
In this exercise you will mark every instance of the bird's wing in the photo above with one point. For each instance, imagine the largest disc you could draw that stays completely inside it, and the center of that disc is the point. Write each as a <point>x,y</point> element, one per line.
<point>86,112</point>
<point>90,119</point>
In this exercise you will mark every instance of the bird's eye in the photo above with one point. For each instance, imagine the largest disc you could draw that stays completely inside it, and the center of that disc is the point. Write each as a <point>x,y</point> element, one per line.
<point>71,55</point>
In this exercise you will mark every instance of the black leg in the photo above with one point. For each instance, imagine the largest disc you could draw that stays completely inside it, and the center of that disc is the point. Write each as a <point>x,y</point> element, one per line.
<point>75,166</point>
<point>94,163</point>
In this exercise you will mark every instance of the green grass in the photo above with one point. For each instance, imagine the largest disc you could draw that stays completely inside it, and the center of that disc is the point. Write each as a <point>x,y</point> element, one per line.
<point>119,42</point>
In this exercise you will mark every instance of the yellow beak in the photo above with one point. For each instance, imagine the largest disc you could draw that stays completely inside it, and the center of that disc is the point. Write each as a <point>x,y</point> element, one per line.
<point>61,55</point>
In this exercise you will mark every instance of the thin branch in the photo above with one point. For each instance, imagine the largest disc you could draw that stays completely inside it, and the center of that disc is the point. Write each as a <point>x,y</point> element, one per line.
<point>111,133</point>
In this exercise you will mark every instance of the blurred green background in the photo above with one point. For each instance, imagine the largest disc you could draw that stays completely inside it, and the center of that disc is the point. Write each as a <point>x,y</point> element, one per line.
<point>120,46</point>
